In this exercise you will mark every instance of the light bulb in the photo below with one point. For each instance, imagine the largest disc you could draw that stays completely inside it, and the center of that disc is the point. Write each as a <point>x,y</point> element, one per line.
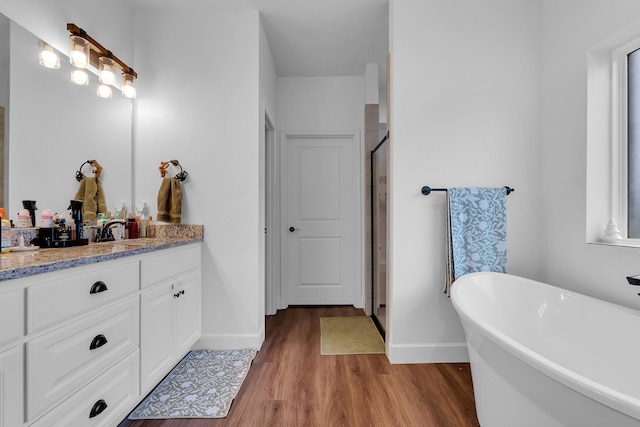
<point>48,57</point>
<point>104,91</point>
<point>106,70</point>
<point>79,52</point>
<point>80,77</point>
<point>128,90</point>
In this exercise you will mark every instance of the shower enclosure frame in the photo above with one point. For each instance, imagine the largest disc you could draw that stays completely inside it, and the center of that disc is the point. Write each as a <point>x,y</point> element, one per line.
<point>374,272</point>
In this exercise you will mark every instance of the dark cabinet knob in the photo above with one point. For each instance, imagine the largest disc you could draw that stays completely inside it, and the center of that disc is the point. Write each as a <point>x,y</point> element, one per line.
<point>292,229</point>
<point>98,287</point>
<point>98,341</point>
<point>98,408</point>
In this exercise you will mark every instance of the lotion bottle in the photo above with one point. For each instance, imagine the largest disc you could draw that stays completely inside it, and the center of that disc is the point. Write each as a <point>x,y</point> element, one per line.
<point>5,233</point>
<point>46,219</point>
<point>149,228</point>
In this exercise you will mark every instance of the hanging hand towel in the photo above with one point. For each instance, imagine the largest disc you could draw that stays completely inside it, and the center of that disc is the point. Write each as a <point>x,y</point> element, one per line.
<point>170,201</point>
<point>476,232</point>
<point>90,192</point>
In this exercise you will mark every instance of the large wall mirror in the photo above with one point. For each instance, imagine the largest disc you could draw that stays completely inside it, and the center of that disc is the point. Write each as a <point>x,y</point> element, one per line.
<point>52,126</point>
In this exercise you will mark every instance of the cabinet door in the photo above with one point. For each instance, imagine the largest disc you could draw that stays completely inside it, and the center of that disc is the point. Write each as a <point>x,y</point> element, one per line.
<point>188,308</point>
<point>157,334</point>
<point>11,315</point>
<point>11,387</point>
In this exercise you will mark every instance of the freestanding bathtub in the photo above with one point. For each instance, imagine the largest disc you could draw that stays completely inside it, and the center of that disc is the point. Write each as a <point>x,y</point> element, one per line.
<point>542,356</point>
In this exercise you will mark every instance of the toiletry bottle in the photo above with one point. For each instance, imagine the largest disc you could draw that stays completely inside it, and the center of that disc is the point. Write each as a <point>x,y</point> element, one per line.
<point>143,228</point>
<point>5,233</point>
<point>150,227</point>
<point>62,229</point>
<point>138,226</point>
<point>46,219</point>
<point>24,219</point>
<point>72,229</point>
<point>133,228</point>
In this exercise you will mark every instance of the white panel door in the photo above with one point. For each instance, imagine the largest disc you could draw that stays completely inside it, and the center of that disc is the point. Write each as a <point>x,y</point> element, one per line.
<point>321,207</point>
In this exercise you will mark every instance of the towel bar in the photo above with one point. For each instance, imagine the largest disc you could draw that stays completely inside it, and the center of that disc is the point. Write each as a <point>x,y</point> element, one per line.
<point>426,190</point>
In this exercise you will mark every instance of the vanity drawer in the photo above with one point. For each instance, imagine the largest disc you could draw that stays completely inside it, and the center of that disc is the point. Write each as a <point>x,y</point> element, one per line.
<point>164,266</point>
<point>88,288</point>
<point>64,360</point>
<point>11,315</point>
<point>117,388</point>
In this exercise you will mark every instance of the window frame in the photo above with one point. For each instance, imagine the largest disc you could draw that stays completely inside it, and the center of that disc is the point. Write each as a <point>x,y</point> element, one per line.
<point>606,138</point>
<point>620,138</point>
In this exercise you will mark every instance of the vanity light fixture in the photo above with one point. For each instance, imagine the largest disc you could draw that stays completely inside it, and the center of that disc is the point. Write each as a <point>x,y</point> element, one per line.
<point>47,56</point>
<point>106,63</point>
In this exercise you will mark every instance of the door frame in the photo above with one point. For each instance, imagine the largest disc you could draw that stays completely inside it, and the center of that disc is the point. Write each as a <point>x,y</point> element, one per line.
<point>278,290</point>
<point>272,220</point>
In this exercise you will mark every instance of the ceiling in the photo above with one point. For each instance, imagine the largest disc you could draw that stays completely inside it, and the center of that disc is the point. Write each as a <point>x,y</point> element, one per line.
<point>312,38</point>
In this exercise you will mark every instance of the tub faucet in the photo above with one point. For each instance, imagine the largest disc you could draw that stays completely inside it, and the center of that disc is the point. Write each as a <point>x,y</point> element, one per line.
<point>634,280</point>
<point>105,234</point>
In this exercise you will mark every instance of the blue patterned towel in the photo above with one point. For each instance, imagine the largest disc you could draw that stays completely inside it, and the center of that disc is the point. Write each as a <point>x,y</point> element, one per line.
<point>476,232</point>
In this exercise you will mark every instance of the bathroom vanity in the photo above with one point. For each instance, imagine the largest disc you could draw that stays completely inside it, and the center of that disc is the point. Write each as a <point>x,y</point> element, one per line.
<point>86,332</point>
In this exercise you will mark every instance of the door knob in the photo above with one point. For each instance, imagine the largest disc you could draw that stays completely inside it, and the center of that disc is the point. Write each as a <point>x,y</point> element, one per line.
<point>292,229</point>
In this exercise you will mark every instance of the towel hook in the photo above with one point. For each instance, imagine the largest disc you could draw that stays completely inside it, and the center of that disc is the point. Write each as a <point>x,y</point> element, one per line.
<point>97,171</point>
<point>180,176</point>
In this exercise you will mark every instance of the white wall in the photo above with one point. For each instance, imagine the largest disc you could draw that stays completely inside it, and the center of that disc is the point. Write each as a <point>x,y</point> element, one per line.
<point>570,29</point>
<point>321,103</point>
<point>199,103</point>
<point>464,112</point>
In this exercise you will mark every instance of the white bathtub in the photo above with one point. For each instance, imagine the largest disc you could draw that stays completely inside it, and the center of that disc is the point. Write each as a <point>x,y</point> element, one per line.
<point>542,356</point>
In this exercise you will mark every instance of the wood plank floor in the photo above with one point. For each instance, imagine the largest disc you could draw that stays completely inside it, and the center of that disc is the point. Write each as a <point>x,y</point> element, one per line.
<point>291,385</point>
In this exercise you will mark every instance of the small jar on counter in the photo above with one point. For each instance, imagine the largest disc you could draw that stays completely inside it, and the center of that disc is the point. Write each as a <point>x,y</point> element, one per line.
<point>133,228</point>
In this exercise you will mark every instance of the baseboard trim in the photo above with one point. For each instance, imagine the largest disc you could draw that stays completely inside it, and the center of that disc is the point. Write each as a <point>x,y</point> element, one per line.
<point>427,353</point>
<point>230,342</point>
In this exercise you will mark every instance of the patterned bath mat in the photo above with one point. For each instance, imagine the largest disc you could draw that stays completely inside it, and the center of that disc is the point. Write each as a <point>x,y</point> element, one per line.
<point>202,385</point>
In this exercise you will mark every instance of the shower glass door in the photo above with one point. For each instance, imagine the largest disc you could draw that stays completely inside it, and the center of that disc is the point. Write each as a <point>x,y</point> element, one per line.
<point>379,234</point>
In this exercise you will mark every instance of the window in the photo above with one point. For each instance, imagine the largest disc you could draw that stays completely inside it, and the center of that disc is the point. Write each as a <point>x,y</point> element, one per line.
<point>633,143</point>
<point>613,139</point>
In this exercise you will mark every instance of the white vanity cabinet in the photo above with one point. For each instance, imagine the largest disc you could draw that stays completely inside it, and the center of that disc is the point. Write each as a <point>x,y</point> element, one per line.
<point>170,312</point>
<point>11,355</point>
<point>81,322</point>
<point>74,342</point>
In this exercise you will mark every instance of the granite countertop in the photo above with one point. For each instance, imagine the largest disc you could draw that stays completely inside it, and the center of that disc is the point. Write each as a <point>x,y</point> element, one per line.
<point>22,264</point>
